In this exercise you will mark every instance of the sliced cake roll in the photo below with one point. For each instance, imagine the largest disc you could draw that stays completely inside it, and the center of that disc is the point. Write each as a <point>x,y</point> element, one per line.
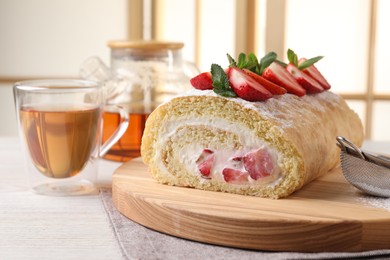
<point>268,149</point>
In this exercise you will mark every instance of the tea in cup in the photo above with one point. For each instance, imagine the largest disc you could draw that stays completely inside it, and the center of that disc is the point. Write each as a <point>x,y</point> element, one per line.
<point>60,125</point>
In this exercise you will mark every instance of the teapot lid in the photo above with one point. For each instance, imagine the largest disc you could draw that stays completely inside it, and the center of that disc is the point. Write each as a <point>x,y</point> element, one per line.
<point>145,45</point>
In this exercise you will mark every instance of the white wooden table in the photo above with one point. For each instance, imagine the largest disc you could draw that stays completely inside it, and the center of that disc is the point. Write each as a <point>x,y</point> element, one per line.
<point>42,227</point>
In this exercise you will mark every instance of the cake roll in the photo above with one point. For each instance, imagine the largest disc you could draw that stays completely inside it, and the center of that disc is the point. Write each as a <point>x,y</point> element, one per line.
<point>267,149</point>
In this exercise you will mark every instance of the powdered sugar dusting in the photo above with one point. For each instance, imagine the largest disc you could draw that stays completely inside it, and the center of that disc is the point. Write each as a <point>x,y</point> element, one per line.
<point>376,202</point>
<point>280,109</point>
<point>367,200</point>
<point>316,99</point>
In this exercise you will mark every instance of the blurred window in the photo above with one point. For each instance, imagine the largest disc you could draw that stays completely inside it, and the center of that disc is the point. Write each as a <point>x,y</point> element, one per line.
<point>351,35</point>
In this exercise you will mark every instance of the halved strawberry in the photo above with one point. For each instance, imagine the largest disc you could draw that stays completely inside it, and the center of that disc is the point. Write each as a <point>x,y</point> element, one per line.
<point>315,74</point>
<point>205,162</point>
<point>202,81</point>
<point>258,163</point>
<point>280,76</point>
<point>203,155</point>
<point>306,81</point>
<point>235,176</point>
<point>246,87</point>
<point>270,86</point>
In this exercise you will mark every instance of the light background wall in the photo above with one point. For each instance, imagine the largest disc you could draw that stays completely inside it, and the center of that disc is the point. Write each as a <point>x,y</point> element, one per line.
<point>46,38</point>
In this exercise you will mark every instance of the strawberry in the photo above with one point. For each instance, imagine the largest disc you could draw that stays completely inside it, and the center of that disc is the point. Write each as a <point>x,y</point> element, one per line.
<point>203,155</point>
<point>235,176</point>
<point>205,162</point>
<point>270,86</point>
<point>205,166</point>
<point>202,81</point>
<point>310,84</point>
<point>246,87</point>
<point>315,74</point>
<point>258,163</point>
<point>280,76</point>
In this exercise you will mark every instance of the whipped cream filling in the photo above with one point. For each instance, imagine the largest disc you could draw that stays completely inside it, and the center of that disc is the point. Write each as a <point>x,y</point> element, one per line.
<point>225,159</point>
<point>189,154</point>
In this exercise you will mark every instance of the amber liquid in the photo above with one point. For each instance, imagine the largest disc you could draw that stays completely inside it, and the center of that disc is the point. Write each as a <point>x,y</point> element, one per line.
<point>129,145</point>
<point>60,142</point>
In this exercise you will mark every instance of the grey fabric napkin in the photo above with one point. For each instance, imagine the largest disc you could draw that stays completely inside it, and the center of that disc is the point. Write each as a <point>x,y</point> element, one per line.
<point>139,242</point>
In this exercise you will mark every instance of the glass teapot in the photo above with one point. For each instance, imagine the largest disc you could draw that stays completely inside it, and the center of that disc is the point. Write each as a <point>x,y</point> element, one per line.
<point>143,75</point>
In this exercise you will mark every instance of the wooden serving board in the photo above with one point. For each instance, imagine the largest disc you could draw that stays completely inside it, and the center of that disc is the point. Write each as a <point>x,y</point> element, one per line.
<point>326,215</point>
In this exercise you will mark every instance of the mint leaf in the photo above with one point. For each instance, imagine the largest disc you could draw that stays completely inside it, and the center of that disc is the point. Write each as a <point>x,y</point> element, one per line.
<point>309,62</point>
<point>292,57</point>
<point>241,61</point>
<point>266,61</point>
<point>252,58</point>
<point>244,62</point>
<point>252,62</point>
<point>232,62</point>
<point>221,82</point>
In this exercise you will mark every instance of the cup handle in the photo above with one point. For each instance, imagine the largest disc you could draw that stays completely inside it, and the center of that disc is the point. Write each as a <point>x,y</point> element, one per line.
<point>123,124</point>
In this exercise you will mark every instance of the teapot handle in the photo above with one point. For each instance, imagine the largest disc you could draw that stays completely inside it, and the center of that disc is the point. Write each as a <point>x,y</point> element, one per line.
<point>190,69</point>
<point>93,68</point>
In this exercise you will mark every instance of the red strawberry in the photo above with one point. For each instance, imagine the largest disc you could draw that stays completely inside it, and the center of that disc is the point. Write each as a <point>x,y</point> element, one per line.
<point>236,158</point>
<point>258,163</point>
<point>280,76</point>
<point>203,155</point>
<point>310,84</point>
<point>235,176</point>
<point>315,74</point>
<point>203,81</point>
<point>205,167</point>
<point>246,87</point>
<point>270,86</point>
<point>205,162</point>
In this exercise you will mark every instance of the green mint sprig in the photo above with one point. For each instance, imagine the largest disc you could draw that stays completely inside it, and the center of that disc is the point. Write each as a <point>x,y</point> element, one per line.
<point>251,62</point>
<point>221,82</point>
<point>243,61</point>
<point>293,58</point>
<point>309,62</point>
<point>266,61</point>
